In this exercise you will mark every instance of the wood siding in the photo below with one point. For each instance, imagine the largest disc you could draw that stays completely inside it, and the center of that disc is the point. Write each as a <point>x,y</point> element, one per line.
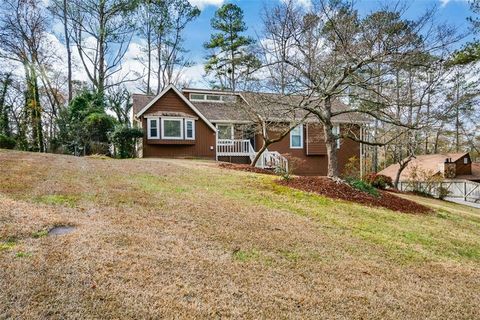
<point>463,169</point>
<point>315,140</point>
<point>202,147</point>
<point>303,164</point>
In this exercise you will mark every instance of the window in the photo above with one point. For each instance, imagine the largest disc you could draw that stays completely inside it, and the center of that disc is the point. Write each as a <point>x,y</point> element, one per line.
<point>213,98</point>
<point>229,98</point>
<point>190,129</point>
<point>197,97</point>
<point>465,160</point>
<point>225,132</point>
<point>172,128</point>
<point>152,128</point>
<point>336,132</point>
<point>296,137</point>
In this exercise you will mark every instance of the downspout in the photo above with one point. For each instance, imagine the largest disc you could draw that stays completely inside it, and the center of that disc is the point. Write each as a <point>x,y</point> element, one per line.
<point>216,143</point>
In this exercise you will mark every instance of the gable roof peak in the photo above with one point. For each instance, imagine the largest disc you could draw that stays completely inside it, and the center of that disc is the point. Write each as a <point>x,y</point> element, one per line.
<point>177,92</point>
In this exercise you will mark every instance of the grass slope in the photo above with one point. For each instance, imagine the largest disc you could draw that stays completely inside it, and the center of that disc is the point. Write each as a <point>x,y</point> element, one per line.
<point>164,238</point>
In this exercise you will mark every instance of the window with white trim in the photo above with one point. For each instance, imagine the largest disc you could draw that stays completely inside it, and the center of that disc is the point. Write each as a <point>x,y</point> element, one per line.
<point>225,131</point>
<point>465,160</point>
<point>296,137</point>
<point>172,128</point>
<point>197,97</point>
<point>336,132</point>
<point>152,127</point>
<point>229,98</point>
<point>212,97</point>
<point>189,129</point>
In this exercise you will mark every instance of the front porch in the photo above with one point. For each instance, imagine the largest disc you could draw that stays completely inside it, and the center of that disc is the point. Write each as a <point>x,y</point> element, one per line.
<point>244,148</point>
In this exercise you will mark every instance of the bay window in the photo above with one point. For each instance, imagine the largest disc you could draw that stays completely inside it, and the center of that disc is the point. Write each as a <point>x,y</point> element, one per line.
<point>152,128</point>
<point>172,128</point>
<point>189,129</point>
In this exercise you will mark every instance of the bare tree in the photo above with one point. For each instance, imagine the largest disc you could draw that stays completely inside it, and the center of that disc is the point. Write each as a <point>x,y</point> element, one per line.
<point>333,49</point>
<point>119,101</point>
<point>162,24</point>
<point>102,31</point>
<point>271,121</point>
<point>23,36</point>
<point>60,8</point>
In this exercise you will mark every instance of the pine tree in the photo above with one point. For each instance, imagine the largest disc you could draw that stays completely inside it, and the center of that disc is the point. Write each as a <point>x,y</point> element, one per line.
<point>230,60</point>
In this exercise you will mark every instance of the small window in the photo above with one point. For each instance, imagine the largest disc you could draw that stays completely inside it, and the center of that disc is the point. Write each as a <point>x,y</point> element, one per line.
<point>172,128</point>
<point>225,132</point>
<point>213,98</point>
<point>229,98</point>
<point>336,131</point>
<point>465,160</point>
<point>296,137</point>
<point>197,97</point>
<point>152,128</point>
<point>190,129</point>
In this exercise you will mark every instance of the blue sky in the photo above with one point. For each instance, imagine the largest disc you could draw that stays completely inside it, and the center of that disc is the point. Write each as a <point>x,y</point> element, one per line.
<point>453,12</point>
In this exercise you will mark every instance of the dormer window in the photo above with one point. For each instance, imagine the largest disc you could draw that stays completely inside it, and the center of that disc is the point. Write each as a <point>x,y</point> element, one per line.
<point>197,97</point>
<point>212,97</point>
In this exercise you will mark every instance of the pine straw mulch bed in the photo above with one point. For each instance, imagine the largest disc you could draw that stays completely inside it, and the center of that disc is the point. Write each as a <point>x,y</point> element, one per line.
<point>339,190</point>
<point>244,167</point>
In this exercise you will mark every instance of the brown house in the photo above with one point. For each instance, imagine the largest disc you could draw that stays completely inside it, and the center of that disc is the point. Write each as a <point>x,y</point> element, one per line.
<point>208,124</point>
<point>451,166</point>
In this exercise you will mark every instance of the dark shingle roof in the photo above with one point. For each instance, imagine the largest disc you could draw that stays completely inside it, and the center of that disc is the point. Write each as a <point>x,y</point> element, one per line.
<point>140,101</point>
<point>273,106</point>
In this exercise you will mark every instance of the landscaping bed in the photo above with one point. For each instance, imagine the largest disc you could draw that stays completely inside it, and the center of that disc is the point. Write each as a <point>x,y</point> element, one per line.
<point>338,190</point>
<point>244,167</point>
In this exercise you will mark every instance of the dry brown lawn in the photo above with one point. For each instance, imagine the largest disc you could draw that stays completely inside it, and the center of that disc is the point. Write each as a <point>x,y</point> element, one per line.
<point>186,239</point>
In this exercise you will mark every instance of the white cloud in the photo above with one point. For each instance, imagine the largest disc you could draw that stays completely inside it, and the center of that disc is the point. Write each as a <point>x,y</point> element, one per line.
<point>203,3</point>
<point>194,75</point>
<point>445,2</point>
<point>302,3</point>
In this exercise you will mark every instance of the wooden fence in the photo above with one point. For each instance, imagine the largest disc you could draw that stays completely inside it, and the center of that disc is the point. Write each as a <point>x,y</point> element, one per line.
<point>463,189</point>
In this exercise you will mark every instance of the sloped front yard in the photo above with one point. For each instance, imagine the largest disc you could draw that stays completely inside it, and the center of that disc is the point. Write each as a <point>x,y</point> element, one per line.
<point>165,238</point>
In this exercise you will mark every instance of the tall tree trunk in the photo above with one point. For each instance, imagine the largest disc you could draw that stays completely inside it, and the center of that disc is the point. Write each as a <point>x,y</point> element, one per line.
<point>332,154</point>
<point>32,100</point>
<point>457,116</point>
<point>4,123</point>
<point>69,51</point>
<point>260,152</point>
<point>101,49</point>
<point>149,61</point>
<point>159,68</point>
<point>427,130</point>
<point>331,142</point>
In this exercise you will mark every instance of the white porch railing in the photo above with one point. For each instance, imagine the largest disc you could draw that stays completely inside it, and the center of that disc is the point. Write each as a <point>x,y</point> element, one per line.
<point>234,148</point>
<point>238,148</point>
<point>272,159</point>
